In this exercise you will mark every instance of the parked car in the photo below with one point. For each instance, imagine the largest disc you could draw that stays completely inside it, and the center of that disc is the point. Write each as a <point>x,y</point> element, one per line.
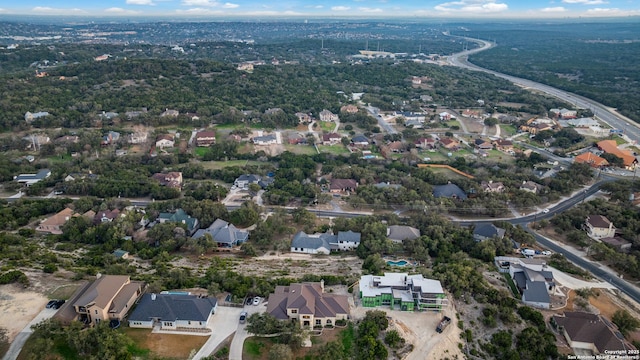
<point>546,252</point>
<point>55,304</point>
<point>51,303</point>
<point>243,317</point>
<point>545,211</point>
<point>256,300</point>
<point>443,324</point>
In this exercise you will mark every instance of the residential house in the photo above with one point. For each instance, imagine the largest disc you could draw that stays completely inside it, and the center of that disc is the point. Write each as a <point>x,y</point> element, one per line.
<point>171,179</point>
<point>30,179</point>
<point>532,279</point>
<point>181,217</point>
<point>205,138</point>
<point>108,298</point>
<point>474,114</point>
<point>165,141</point>
<point>132,114</point>
<point>35,141</point>
<point>173,312</point>
<point>427,143</point>
<point>482,144</point>
<point>599,227</point>
<point>110,138</point>
<point>312,243</point>
<point>308,304</point>
<point>618,243</point>
<point>402,291</point>
<point>343,185</point>
<point>535,125</point>
<point>450,144</point>
<point>303,117</point>
<point>224,234</point>
<point>360,140</point>
<point>29,116</point>
<point>397,146</point>
<point>349,109</point>
<point>273,111</point>
<point>54,223</point>
<point>345,241</point>
<point>492,187</point>
<point>326,115</point>
<point>592,159</point>
<point>611,147</point>
<point>564,113</point>
<point>245,66</point>
<point>449,191</point>
<point>400,233</point>
<point>483,232</point>
<point>445,116</point>
<point>243,181</point>
<point>415,124</point>
<point>265,139</point>
<point>591,334</point>
<point>120,254</point>
<point>411,116</point>
<point>106,216</point>
<point>531,187</point>
<point>170,113</point>
<point>80,176</point>
<point>67,139</point>
<point>331,139</point>
<point>504,145</point>
<point>110,115</point>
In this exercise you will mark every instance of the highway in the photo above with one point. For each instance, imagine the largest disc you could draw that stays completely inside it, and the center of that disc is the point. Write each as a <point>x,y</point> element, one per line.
<point>602,112</point>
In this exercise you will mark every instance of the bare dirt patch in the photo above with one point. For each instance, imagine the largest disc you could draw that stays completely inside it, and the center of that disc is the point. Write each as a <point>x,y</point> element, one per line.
<point>18,307</point>
<point>167,345</point>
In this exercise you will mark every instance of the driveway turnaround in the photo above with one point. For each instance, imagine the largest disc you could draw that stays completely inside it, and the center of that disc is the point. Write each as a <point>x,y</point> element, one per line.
<point>222,324</point>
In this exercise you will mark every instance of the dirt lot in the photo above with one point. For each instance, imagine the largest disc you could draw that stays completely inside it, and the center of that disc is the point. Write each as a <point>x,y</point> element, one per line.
<point>18,306</point>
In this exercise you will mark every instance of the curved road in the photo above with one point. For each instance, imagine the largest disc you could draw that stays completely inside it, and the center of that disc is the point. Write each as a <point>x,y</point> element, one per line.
<point>604,113</point>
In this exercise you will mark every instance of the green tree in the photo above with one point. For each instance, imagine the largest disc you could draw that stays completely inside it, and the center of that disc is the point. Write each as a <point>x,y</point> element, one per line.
<point>625,322</point>
<point>490,121</point>
<point>280,352</point>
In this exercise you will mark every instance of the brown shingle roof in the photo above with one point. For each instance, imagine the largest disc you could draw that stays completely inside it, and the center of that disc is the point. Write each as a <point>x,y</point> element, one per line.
<point>598,221</point>
<point>591,329</point>
<point>102,291</point>
<point>341,184</point>
<point>306,298</point>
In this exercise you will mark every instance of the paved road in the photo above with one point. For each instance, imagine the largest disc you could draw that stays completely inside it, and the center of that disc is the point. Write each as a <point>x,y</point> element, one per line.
<point>21,338</point>
<point>375,112</point>
<point>604,113</point>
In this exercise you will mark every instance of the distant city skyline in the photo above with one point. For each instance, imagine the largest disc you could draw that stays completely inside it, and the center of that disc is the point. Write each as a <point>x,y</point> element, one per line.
<point>333,8</point>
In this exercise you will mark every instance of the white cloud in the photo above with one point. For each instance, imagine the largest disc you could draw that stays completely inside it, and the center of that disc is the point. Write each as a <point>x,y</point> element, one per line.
<point>200,11</point>
<point>585,2</point>
<point>340,8</point>
<point>230,6</point>
<point>57,11</point>
<point>611,12</point>
<point>556,9</point>
<point>206,3</point>
<point>117,10</point>
<point>370,10</point>
<point>140,2</point>
<point>472,6</point>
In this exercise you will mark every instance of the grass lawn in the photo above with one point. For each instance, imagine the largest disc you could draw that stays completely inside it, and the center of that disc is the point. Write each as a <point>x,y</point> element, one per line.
<point>60,158</point>
<point>619,140</point>
<point>256,348</point>
<point>507,130</point>
<point>327,126</point>
<point>63,292</point>
<point>200,151</point>
<point>164,345</point>
<point>434,156</point>
<point>217,165</point>
<point>300,149</point>
<point>338,149</point>
<point>453,123</point>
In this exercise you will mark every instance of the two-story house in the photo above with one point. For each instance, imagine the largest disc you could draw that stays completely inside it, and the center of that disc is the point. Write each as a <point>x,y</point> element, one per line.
<point>108,298</point>
<point>598,227</point>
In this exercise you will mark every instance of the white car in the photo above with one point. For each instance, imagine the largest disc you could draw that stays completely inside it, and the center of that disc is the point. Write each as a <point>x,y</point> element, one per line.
<point>546,252</point>
<point>545,211</point>
<point>256,300</point>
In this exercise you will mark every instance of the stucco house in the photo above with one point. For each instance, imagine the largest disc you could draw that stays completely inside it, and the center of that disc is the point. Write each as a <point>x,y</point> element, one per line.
<point>402,291</point>
<point>54,223</point>
<point>205,138</point>
<point>110,297</point>
<point>530,186</point>
<point>311,243</point>
<point>599,226</point>
<point>165,141</point>
<point>308,304</point>
<point>492,187</point>
<point>326,115</point>
<point>173,312</point>
<point>532,278</point>
<point>265,140</point>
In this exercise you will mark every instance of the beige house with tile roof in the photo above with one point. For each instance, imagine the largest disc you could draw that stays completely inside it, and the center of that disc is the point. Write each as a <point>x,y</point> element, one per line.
<point>308,304</point>
<point>108,298</point>
<point>53,224</point>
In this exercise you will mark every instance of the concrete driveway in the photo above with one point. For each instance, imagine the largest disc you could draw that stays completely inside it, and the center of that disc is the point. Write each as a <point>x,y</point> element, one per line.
<point>21,338</point>
<point>235,350</point>
<point>222,324</point>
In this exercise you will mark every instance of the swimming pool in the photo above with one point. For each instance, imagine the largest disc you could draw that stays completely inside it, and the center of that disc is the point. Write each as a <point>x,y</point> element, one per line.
<point>397,263</point>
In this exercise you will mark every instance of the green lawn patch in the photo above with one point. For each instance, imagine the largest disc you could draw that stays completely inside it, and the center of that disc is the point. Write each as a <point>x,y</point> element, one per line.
<point>255,347</point>
<point>347,337</point>
<point>507,130</point>
<point>200,151</point>
<point>301,149</point>
<point>327,126</point>
<point>217,165</point>
<point>337,149</point>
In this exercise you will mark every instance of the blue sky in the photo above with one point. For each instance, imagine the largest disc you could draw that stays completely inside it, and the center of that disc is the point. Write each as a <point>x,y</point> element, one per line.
<point>343,8</point>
